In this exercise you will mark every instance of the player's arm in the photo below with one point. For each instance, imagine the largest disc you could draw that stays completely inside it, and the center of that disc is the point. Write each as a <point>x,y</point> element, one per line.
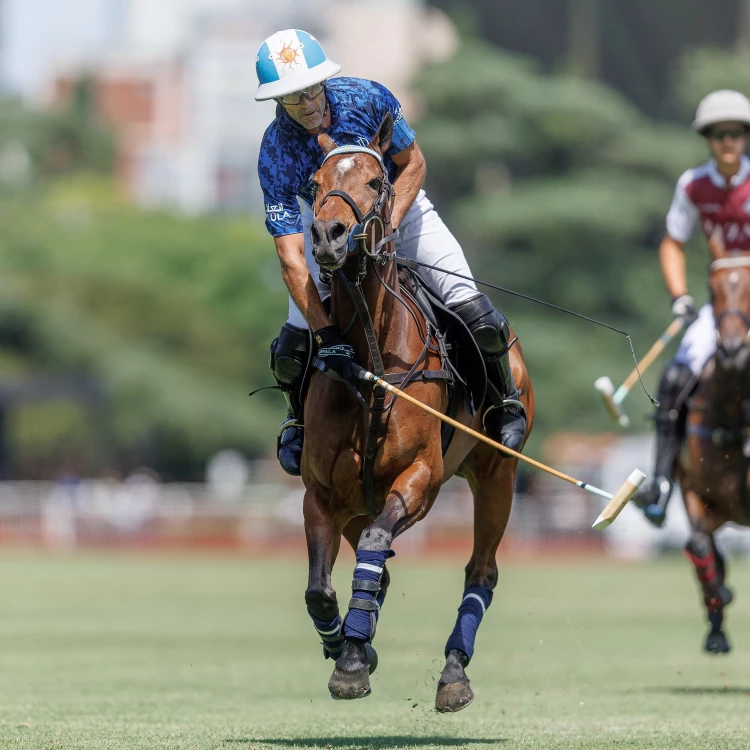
<point>409,178</point>
<point>672,259</point>
<point>299,282</point>
<point>680,224</point>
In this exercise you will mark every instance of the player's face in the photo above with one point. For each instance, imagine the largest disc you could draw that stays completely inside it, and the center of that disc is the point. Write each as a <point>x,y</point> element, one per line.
<point>311,108</point>
<point>728,141</point>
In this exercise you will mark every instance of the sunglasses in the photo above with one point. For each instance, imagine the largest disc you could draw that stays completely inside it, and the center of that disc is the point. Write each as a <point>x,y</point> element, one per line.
<point>733,134</point>
<point>313,92</point>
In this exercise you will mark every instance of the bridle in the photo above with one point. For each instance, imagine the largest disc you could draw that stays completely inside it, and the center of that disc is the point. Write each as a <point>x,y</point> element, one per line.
<point>383,204</point>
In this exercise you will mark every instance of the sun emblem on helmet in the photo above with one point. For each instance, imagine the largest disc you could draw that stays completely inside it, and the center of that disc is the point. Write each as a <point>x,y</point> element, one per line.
<point>288,55</point>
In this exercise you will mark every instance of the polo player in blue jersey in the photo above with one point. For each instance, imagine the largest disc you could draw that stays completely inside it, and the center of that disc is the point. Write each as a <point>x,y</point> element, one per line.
<point>294,71</point>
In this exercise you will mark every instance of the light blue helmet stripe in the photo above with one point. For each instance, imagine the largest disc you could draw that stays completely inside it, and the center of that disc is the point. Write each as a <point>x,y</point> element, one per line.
<point>311,49</point>
<point>264,66</point>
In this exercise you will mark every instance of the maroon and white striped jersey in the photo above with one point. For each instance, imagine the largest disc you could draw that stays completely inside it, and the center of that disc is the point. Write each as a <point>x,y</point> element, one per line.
<point>703,193</point>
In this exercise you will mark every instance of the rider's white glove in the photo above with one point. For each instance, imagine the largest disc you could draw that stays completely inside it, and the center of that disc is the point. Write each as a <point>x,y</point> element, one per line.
<point>684,307</point>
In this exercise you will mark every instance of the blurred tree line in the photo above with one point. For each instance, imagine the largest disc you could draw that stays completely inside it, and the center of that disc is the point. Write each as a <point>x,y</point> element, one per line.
<point>556,185</point>
<point>632,45</point>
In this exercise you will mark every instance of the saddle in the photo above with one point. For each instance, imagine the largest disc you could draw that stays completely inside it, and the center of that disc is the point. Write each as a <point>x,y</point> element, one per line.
<point>466,374</point>
<point>465,359</point>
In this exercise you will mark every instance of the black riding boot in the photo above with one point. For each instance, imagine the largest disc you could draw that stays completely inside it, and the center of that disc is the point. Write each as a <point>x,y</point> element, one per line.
<point>289,357</point>
<point>505,418</point>
<point>675,387</point>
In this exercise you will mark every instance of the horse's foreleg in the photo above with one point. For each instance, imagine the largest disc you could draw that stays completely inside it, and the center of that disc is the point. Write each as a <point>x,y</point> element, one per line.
<point>323,534</point>
<point>353,533</point>
<point>710,568</point>
<point>408,500</point>
<point>493,496</point>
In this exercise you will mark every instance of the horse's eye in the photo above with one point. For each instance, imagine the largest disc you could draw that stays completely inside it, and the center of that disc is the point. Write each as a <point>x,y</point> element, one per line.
<point>375,184</point>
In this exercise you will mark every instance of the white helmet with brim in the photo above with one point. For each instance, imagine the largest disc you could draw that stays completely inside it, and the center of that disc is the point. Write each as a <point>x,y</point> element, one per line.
<point>724,105</point>
<point>289,61</point>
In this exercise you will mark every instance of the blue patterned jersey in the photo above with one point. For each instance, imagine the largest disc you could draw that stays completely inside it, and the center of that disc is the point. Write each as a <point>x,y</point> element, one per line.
<point>290,156</point>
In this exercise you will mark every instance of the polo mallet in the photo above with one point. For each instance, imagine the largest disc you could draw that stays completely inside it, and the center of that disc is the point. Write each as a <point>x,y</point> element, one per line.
<point>616,502</point>
<point>613,398</point>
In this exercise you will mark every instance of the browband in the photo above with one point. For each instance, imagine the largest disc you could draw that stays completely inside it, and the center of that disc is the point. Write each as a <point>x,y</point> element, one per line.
<point>355,150</point>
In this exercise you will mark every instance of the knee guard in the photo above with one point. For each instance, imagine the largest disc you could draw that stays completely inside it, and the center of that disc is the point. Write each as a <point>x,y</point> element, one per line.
<point>289,355</point>
<point>491,331</point>
<point>488,326</point>
<point>674,388</point>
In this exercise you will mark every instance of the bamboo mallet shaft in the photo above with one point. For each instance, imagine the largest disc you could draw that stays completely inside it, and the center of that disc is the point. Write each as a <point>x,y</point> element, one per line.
<point>369,377</point>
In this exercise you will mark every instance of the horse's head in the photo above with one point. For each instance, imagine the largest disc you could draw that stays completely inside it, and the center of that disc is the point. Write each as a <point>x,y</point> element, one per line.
<point>729,284</point>
<point>353,197</point>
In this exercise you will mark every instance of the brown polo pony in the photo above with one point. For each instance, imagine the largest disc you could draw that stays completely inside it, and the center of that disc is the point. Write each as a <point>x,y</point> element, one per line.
<point>713,467</point>
<point>352,208</point>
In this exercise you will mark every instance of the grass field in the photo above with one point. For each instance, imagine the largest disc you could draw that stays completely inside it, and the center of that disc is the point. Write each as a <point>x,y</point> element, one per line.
<point>196,653</point>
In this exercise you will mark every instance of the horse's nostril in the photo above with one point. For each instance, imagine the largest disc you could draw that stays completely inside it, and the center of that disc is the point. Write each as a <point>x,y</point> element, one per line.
<point>337,231</point>
<point>315,234</point>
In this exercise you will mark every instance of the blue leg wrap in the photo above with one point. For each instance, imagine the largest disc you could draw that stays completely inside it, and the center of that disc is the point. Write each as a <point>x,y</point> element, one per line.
<point>330,634</point>
<point>473,606</point>
<point>367,596</point>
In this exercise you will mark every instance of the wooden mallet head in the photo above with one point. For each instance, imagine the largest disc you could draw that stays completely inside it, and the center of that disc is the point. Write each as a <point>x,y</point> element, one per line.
<point>606,389</point>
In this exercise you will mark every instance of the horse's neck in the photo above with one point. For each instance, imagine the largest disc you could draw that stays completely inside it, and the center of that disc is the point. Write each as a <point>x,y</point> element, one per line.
<point>386,312</point>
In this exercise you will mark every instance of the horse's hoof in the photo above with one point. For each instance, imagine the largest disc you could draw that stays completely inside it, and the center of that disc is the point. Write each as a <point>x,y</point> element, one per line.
<point>717,643</point>
<point>347,686</point>
<point>372,657</point>
<point>453,696</point>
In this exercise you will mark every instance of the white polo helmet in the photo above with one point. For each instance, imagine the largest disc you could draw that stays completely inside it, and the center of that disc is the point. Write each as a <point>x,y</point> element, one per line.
<point>724,105</point>
<point>288,61</point>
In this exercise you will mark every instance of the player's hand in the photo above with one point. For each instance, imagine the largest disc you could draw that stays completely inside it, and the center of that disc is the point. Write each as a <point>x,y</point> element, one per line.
<point>335,353</point>
<point>684,307</point>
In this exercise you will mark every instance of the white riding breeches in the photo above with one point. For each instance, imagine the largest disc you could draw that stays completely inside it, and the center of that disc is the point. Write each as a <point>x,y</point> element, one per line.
<point>423,237</point>
<point>699,342</point>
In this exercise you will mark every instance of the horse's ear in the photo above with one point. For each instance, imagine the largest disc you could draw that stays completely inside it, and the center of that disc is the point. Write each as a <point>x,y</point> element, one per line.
<point>716,244</point>
<point>326,143</point>
<point>382,140</point>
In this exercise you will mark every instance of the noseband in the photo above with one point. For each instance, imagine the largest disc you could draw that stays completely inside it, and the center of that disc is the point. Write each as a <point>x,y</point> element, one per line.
<point>384,200</point>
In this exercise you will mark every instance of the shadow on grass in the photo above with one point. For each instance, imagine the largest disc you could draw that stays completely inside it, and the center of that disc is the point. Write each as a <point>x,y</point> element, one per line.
<point>368,743</point>
<point>703,690</point>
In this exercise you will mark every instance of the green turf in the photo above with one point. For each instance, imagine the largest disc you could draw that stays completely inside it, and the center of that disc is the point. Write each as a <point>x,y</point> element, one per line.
<point>118,652</point>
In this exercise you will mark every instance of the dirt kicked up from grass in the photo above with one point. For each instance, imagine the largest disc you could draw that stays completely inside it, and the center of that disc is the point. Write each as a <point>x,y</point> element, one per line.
<point>197,653</point>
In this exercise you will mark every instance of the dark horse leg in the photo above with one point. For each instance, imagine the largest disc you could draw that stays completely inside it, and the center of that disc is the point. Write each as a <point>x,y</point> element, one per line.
<point>323,533</point>
<point>711,570</point>
<point>408,500</point>
<point>323,541</point>
<point>493,496</point>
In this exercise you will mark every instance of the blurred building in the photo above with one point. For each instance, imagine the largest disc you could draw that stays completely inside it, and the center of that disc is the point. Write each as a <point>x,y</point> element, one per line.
<point>176,81</point>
